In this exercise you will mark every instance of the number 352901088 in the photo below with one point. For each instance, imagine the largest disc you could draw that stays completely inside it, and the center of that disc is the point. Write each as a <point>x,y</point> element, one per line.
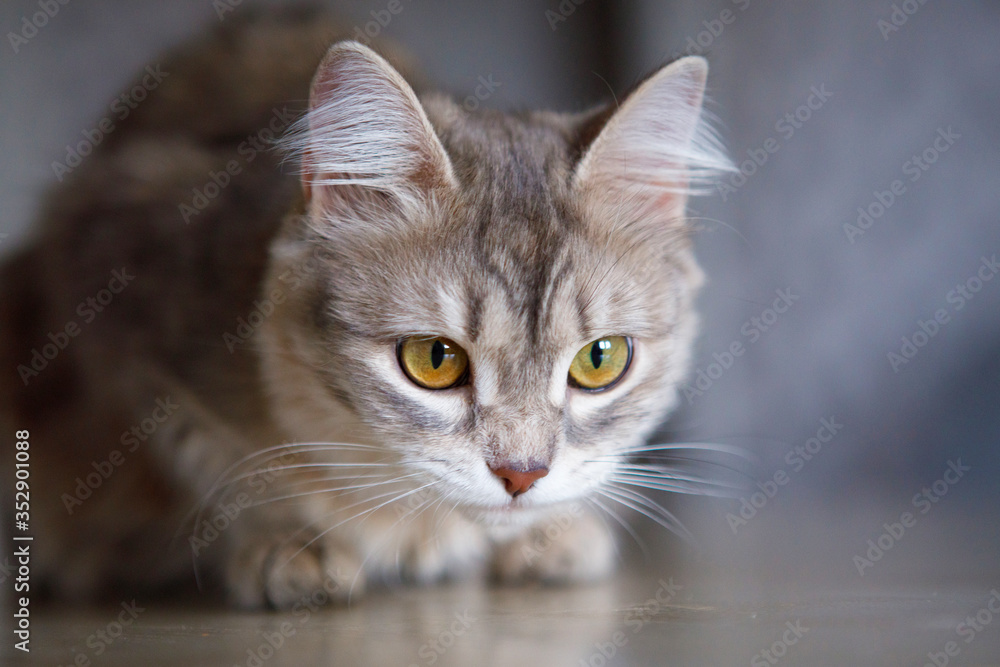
<point>22,507</point>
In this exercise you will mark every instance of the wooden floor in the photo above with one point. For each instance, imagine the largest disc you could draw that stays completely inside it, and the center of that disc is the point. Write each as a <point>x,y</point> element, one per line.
<point>639,619</point>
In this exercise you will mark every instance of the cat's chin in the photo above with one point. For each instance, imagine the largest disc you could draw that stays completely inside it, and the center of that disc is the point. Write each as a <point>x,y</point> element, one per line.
<point>506,519</point>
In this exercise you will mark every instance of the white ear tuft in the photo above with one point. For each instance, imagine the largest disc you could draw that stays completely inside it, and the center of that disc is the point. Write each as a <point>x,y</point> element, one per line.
<point>657,147</point>
<point>366,127</point>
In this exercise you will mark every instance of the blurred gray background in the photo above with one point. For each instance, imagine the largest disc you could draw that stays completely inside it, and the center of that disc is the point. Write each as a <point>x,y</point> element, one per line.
<point>885,79</point>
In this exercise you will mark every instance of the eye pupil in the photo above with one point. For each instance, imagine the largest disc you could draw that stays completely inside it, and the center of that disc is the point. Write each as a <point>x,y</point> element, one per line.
<point>437,354</point>
<point>600,364</point>
<point>596,354</point>
<point>433,362</point>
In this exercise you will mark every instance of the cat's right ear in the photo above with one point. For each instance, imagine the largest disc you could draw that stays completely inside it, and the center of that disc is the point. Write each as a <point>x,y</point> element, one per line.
<point>366,141</point>
<point>653,151</point>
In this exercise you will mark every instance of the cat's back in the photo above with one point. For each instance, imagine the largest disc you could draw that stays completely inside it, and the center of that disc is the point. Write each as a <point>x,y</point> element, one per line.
<point>153,248</point>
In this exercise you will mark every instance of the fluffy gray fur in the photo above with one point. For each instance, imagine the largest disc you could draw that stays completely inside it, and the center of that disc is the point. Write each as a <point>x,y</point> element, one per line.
<point>522,237</point>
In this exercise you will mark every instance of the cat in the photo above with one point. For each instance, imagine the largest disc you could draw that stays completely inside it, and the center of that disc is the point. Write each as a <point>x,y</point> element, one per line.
<point>402,349</point>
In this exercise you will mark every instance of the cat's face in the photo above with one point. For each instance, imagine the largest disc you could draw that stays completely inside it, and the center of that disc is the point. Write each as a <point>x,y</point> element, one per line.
<point>503,302</point>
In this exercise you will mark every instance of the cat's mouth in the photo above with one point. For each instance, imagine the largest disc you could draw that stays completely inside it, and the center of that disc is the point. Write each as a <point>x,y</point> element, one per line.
<point>512,507</point>
<point>515,512</point>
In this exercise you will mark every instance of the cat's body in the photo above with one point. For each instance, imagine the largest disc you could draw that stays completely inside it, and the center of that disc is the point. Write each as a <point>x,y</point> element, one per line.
<point>222,327</point>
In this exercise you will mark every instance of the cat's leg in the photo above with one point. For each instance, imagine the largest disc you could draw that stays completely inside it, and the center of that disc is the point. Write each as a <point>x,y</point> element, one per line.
<point>572,545</point>
<point>435,549</point>
<point>267,566</point>
<point>268,550</point>
<point>283,569</point>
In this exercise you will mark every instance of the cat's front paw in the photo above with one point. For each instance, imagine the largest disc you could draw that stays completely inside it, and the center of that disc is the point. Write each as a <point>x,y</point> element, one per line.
<point>570,546</point>
<point>430,550</point>
<point>286,573</point>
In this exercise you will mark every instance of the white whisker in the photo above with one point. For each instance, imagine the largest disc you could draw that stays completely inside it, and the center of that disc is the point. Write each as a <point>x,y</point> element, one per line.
<point>336,478</point>
<point>650,509</point>
<point>624,524</point>
<point>702,489</point>
<point>288,448</point>
<point>355,488</point>
<point>670,474</point>
<point>364,513</point>
<point>665,471</point>
<point>696,446</point>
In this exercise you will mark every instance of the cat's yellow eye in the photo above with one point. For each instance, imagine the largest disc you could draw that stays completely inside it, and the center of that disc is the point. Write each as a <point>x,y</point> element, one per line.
<point>602,363</point>
<point>433,363</point>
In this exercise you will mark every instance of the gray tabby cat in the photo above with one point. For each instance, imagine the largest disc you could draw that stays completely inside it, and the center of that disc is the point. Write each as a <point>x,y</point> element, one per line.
<point>463,328</point>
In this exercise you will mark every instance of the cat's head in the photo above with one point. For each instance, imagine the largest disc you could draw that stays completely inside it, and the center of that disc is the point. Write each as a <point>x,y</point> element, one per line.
<point>503,301</point>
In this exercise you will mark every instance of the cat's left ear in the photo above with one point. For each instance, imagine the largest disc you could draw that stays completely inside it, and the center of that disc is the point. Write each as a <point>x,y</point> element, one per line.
<point>654,150</point>
<point>366,140</point>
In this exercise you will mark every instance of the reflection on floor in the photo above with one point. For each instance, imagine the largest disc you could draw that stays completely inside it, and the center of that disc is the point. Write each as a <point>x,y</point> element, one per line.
<point>633,620</point>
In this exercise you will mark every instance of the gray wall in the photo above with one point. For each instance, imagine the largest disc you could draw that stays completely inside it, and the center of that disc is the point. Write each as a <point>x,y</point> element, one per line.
<point>780,229</point>
<point>858,294</point>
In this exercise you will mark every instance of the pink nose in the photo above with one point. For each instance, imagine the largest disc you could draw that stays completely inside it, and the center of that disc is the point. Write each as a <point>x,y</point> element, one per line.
<point>518,481</point>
